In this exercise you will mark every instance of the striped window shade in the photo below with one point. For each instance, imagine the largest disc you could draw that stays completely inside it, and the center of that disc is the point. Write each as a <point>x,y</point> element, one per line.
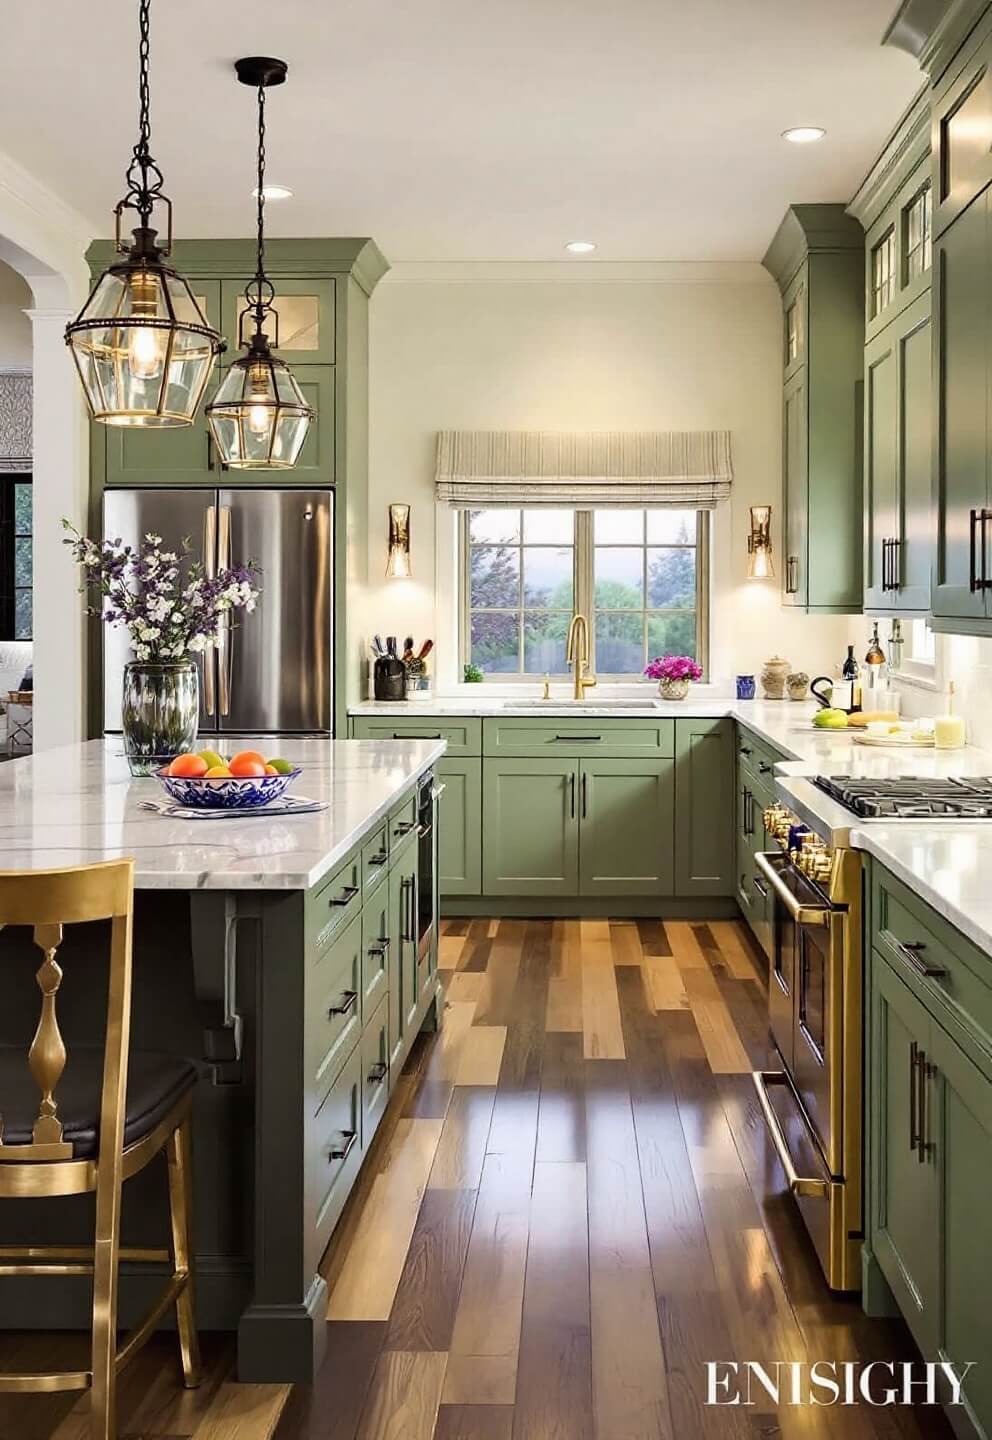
<point>684,469</point>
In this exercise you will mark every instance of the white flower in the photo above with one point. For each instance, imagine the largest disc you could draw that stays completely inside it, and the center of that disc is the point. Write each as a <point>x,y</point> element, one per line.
<point>152,538</point>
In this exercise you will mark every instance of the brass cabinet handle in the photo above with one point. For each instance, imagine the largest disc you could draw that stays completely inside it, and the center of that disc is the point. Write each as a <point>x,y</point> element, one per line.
<point>792,575</point>
<point>348,999</point>
<point>341,1151</point>
<point>378,1072</point>
<point>910,951</point>
<point>347,895</point>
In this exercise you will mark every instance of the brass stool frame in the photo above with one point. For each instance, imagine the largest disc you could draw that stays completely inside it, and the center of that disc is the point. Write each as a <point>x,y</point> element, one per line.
<point>47,900</point>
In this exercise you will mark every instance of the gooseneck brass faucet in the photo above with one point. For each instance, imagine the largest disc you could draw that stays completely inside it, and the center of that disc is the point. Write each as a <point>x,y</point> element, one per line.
<point>577,655</point>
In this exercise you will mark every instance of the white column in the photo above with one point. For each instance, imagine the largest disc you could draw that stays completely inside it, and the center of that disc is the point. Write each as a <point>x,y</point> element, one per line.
<point>60,487</point>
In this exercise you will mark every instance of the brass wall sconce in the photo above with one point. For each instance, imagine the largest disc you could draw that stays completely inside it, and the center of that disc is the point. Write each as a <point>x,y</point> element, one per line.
<point>759,544</point>
<point>398,564</point>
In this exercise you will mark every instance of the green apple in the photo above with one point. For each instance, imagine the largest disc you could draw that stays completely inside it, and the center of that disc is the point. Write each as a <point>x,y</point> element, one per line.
<point>283,766</point>
<point>831,719</point>
<point>212,758</point>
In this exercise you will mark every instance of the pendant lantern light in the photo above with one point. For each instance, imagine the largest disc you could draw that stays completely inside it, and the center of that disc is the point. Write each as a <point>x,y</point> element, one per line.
<point>141,343</point>
<point>259,418</point>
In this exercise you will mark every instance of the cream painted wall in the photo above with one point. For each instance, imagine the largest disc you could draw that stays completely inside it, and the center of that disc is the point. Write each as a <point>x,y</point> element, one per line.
<point>15,327</point>
<point>582,354</point>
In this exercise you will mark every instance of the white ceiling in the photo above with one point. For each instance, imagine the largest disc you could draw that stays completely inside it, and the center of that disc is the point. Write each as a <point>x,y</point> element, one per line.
<point>466,129</point>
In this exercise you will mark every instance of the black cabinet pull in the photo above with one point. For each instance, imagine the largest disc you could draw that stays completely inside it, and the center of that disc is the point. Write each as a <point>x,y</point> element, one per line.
<point>380,947</point>
<point>973,581</point>
<point>582,739</point>
<point>984,517</point>
<point>744,750</point>
<point>348,999</point>
<point>585,796</point>
<point>378,1072</point>
<point>379,859</point>
<point>764,768</point>
<point>910,951</point>
<point>412,735</point>
<point>347,895</point>
<point>343,1148</point>
<point>404,827</point>
<point>571,789</point>
<point>914,1060</point>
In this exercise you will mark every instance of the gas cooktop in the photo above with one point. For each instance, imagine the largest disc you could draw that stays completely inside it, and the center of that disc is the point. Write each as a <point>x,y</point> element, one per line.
<point>910,798</point>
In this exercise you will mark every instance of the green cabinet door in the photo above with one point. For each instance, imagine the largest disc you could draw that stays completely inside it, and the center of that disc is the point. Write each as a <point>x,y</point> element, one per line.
<point>960,1130</point>
<point>881,490</point>
<point>626,810</point>
<point>914,553</point>
<point>960,400</point>
<point>460,827</point>
<point>902,1175</point>
<point>743,843</point>
<point>795,457</point>
<point>704,807</point>
<point>402,950</point>
<point>531,840</point>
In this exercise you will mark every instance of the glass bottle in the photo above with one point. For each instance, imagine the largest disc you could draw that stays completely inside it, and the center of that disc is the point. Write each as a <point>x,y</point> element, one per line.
<point>851,671</point>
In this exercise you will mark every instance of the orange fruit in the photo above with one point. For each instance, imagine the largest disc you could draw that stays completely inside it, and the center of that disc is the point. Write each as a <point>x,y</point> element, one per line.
<point>271,770</point>
<point>191,767</point>
<point>245,767</point>
<point>218,772</point>
<point>252,755</point>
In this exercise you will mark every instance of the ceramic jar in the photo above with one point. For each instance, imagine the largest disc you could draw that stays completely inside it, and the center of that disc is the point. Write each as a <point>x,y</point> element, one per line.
<point>773,674</point>
<point>797,684</point>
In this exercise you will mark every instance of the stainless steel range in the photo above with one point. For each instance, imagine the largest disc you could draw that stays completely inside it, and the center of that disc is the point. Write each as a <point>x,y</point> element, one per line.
<point>911,798</point>
<point>813,1103</point>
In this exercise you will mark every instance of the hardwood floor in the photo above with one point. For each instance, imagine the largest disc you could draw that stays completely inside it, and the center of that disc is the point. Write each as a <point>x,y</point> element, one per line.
<point>570,1206</point>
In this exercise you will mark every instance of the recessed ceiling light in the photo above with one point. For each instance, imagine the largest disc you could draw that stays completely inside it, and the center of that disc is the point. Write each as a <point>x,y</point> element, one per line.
<point>803,134</point>
<point>273,192</point>
<point>580,247</point>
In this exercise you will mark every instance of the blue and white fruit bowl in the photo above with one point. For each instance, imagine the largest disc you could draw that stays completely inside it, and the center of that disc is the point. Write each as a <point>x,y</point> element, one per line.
<point>234,793</point>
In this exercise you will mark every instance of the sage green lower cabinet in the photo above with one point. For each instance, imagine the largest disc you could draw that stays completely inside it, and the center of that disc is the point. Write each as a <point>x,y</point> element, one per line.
<point>626,811</point>
<point>903,1181</point>
<point>460,826</point>
<point>531,844</point>
<point>704,807</point>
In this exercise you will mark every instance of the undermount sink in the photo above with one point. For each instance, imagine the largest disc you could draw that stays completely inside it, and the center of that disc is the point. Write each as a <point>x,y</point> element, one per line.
<point>589,703</point>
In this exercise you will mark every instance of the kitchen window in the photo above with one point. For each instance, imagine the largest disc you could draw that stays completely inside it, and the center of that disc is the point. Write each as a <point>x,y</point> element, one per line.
<point>15,557</point>
<point>639,576</point>
<point>917,233</point>
<point>883,273</point>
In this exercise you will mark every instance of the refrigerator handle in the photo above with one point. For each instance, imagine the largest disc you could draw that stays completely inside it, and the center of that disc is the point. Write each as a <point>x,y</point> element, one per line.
<point>225,640</point>
<point>209,570</point>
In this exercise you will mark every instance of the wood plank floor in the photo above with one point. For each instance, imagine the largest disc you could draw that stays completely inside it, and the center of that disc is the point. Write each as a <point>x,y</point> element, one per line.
<point>570,1206</point>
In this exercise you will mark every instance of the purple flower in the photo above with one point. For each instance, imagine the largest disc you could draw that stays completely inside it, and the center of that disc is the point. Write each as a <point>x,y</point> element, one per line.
<point>673,667</point>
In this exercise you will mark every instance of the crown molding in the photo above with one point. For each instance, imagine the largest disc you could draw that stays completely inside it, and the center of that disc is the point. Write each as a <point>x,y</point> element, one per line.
<point>810,230</point>
<point>586,272</point>
<point>908,144</point>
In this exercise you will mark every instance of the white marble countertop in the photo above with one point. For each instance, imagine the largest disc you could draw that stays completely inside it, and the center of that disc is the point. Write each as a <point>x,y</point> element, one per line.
<point>79,804</point>
<point>946,864</point>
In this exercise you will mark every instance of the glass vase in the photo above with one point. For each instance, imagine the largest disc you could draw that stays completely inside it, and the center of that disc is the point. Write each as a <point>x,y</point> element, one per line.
<point>160,711</point>
<point>673,689</point>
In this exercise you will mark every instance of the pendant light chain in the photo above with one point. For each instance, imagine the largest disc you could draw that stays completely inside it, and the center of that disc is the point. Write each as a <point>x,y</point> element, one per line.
<point>261,291</point>
<point>144,178</point>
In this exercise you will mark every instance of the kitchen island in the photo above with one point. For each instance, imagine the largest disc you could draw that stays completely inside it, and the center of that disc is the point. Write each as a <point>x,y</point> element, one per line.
<point>295,956</point>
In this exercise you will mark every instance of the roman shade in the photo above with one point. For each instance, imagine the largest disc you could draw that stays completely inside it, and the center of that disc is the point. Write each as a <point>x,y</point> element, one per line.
<point>15,422</point>
<point>684,469</point>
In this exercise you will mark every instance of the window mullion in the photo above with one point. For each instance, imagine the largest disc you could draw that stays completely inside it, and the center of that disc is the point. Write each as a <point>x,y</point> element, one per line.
<point>584,589</point>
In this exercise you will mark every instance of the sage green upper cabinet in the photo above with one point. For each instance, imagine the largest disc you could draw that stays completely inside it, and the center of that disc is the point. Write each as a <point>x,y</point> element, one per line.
<point>903,1176</point>
<point>305,314</point>
<point>817,257</point>
<point>962,128</point>
<point>898,532</point>
<point>626,810</point>
<point>961,435</point>
<point>704,807</point>
<point>531,843</point>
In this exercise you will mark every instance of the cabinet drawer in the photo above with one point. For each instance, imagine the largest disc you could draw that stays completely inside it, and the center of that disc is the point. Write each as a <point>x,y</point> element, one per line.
<point>334,1007</point>
<point>759,757</point>
<point>402,821</point>
<point>336,1154</point>
<point>962,133</point>
<point>375,1071</point>
<point>375,857</point>
<point>334,903</point>
<point>376,942</point>
<point>464,735</point>
<point>575,737</point>
<point>913,938</point>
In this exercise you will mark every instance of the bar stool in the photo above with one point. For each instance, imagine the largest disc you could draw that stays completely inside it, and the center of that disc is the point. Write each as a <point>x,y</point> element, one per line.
<point>102,1133</point>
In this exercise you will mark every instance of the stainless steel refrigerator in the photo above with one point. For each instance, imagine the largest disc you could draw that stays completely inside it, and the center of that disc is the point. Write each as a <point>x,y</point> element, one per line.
<point>272,670</point>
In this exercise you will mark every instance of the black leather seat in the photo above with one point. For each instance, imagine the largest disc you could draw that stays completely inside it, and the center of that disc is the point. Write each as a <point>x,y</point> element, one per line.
<point>155,1082</point>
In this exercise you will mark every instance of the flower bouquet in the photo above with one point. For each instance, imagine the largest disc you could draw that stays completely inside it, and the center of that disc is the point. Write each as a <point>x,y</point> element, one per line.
<point>172,610</point>
<point>673,674</point>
